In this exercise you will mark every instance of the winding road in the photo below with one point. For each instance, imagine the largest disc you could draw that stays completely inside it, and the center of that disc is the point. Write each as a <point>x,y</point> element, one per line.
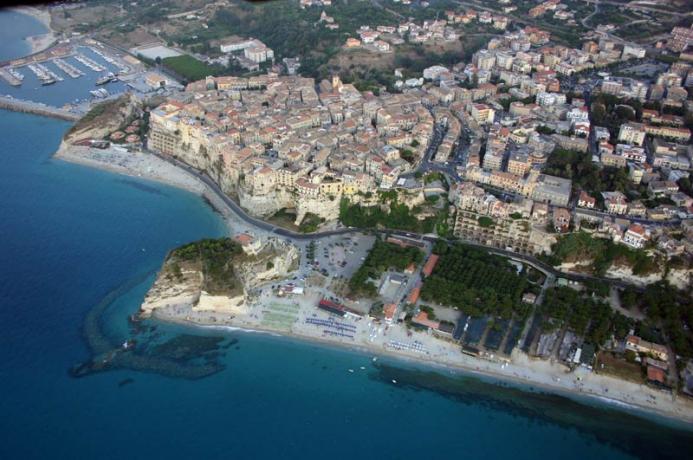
<point>258,223</point>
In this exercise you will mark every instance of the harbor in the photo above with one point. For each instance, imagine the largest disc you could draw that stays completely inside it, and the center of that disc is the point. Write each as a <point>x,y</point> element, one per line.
<point>86,59</point>
<point>85,71</point>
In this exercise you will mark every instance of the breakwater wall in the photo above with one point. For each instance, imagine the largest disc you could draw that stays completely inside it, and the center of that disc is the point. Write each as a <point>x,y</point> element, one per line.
<point>17,105</point>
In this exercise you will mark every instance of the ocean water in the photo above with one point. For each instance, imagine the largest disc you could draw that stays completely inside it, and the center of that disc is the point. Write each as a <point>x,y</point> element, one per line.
<point>71,236</point>
<point>14,29</point>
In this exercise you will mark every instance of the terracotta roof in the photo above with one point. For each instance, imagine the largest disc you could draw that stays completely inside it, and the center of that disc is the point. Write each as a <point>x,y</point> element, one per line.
<point>430,265</point>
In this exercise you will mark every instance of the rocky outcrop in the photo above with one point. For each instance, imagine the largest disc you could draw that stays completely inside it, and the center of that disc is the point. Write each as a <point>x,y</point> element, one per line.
<point>219,280</point>
<point>275,259</point>
<point>173,291</point>
<point>321,207</point>
<point>104,118</point>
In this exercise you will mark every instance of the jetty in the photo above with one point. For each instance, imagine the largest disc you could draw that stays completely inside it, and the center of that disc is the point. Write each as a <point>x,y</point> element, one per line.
<point>9,77</point>
<point>89,63</point>
<point>18,105</point>
<point>52,75</point>
<point>68,68</point>
<point>108,59</point>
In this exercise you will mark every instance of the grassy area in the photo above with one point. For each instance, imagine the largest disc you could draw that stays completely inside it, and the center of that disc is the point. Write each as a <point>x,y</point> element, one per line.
<point>398,216</point>
<point>609,363</point>
<point>310,223</point>
<point>188,67</point>
<point>100,114</point>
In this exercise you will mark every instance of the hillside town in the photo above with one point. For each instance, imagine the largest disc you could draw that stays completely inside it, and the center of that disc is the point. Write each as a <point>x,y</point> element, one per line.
<point>530,204</point>
<point>528,148</point>
<point>494,128</point>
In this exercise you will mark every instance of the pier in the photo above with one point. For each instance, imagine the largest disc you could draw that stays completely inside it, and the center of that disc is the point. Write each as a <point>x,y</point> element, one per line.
<point>51,75</point>
<point>17,105</point>
<point>9,77</point>
<point>68,68</point>
<point>108,59</point>
<point>89,63</point>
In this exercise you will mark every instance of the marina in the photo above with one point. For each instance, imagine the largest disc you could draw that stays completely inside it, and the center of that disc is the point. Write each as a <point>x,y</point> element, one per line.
<point>49,72</point>
<point>106,79</point>
<point>41,74</point>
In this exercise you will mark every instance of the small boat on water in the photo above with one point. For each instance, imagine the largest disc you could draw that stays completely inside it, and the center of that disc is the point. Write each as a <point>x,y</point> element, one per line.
<point>47,81</point>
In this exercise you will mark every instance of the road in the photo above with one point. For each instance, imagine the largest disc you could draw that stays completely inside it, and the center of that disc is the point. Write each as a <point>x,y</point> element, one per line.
<point>241,214</point>
<point>448,168</point>
<point>589,16</point>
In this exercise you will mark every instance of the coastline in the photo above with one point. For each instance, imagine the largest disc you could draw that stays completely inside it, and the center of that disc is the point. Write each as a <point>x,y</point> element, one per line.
<point>43,41</point>
<point>521,370</point>
<point>667,413</point>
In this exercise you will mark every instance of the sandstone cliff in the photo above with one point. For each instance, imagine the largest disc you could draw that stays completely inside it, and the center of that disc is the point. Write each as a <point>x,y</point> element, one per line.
<point>216,275</point>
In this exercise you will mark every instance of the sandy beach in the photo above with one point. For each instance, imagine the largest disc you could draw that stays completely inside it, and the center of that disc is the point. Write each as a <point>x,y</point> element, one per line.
<point>299,317</point>
<point>43,41</point>
<point>375,339</point>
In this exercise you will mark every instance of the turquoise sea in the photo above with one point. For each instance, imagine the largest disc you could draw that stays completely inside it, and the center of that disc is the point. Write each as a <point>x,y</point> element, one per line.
<point>71,237</point>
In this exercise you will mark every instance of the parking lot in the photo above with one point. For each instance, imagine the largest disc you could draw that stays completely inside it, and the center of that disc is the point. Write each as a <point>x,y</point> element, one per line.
<point>335,257</point>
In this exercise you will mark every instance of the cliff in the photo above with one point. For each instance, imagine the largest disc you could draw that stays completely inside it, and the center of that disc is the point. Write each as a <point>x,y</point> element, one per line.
<point>216,275</point>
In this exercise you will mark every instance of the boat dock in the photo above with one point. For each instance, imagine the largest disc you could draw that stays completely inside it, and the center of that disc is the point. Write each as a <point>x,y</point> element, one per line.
<point>68,68</point>
<point>52,75</point>
<point>89,63</point>
<point>7,75</point>
<point>109,59</point>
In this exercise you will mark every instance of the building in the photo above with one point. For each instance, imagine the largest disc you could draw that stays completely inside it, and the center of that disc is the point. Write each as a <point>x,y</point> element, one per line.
<point>615,202</point>
<point>638,345</point>
<point>430,265</point>
<point>552,190</point>
<point>586,201</point>
<point>632,133</point>
<point>561,220</point>
<point>681,39</point>
<point>635,236</point>
<point>631,51</point>
<point>421,319</point>
<point>482,113</point>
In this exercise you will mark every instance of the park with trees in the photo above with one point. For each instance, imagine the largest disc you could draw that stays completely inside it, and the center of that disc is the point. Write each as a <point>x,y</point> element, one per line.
<point>382,256</point>
<point>476,282</point>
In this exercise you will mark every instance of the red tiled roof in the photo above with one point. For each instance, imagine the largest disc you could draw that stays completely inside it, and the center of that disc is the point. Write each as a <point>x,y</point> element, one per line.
<point>414,295</point>
<point>389,310</point>
<point>655,374</point>
<point>430,265</point>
